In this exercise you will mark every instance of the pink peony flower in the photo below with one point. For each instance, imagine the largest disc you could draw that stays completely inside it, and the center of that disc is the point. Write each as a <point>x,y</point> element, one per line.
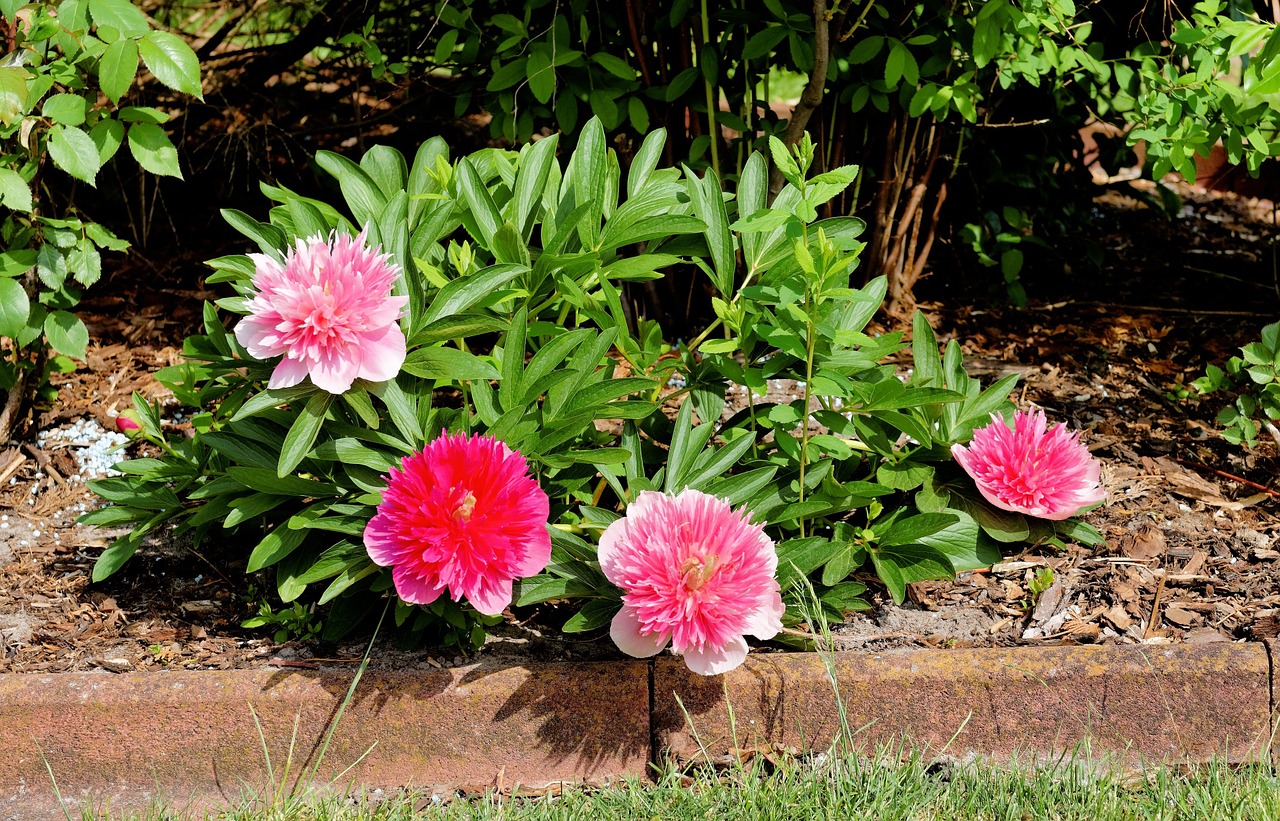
<point>694,574</point>
<point>1047,474</point>
<point>329,311</point>
<point>461,515</point>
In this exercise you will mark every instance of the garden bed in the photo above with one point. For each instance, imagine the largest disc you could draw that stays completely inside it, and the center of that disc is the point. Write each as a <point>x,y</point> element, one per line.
<point>1191,552</point>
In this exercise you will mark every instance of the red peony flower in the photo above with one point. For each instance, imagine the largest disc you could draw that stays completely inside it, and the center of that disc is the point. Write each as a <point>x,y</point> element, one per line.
<point>461,515</point>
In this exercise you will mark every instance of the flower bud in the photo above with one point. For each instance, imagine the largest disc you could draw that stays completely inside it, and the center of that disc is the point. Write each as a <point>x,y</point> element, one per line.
<point>129,423</point>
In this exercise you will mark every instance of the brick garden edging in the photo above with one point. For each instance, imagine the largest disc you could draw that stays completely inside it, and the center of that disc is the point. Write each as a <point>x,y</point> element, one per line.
<point>190,738</point>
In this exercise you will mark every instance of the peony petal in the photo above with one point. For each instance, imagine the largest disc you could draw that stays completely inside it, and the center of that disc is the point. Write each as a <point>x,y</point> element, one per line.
<point>625,632</point>
<point>610,548</point>
<point>492,599</point>
<point>537,554</point>
<point>766,621</point>
<point>380,542</point>
<point>712,661</point>
<point>253,332</point>
<point>414,589</point>
<point>288,373</point>
<point>382,354</point>
<point>335,374</point>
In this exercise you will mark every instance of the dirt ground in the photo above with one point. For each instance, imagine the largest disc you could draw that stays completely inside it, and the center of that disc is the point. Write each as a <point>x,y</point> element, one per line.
<point>1191,521</point>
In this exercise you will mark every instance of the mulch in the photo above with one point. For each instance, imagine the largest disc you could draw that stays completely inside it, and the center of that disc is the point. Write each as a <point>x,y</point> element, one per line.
<point>1191,520</point>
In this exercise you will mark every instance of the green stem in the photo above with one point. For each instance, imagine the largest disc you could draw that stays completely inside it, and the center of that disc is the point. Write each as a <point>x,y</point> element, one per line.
<point>809,343</point>
<point>712,101</point>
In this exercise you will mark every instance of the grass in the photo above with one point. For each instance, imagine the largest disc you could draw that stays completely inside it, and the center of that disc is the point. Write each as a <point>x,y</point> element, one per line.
<point>883,788</point>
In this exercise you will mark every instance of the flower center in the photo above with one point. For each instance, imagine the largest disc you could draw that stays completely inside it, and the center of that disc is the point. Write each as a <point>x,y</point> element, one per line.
<point>697,571</point>
<point>465,507</point>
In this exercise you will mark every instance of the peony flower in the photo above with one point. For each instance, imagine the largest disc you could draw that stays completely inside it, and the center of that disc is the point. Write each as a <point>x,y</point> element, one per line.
<point>461,515</point>
<point>1047,474</point>
<point>328,310</point>
<point>694,574</point>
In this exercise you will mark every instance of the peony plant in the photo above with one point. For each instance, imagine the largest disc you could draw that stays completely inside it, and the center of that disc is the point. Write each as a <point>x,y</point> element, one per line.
<point>423,397</point>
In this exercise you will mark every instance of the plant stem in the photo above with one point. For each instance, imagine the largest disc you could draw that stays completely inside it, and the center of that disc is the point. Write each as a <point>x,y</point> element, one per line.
<point>809,343</point>
<point>712,96</point>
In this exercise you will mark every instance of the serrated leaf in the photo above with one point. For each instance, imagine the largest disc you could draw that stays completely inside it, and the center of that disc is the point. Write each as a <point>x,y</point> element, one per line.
<point>66,334</point>
<point>74,152</point>
<point>117,69</point>
<point>172,62</point>
<point>14,191</point>
<point>153,150</point>
<point>121,15</point>
<point>14,308</point>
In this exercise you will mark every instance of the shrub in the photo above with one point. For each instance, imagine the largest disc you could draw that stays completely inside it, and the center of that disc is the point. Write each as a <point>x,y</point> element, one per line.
<point>61,85</point>
<point>516,330</point>
<point>1254,379</point>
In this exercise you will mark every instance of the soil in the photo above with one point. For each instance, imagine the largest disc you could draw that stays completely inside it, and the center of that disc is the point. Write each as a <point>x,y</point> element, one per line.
<point>1191,520</point>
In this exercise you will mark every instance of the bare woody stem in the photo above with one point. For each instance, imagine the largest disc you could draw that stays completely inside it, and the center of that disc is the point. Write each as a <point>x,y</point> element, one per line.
<point>811,97</point>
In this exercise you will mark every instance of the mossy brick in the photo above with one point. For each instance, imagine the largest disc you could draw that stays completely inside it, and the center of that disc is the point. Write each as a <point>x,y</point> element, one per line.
<point>1125,704</point>
<point>191,738</point>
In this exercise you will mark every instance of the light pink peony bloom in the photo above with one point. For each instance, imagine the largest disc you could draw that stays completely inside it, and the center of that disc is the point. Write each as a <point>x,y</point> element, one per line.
<point>1046,474</point>
<point>461,515</point>
<point>694,574</point>
<point>329,311</point>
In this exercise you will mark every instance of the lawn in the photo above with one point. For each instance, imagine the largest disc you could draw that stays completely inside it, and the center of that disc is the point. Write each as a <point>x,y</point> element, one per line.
<point>881,789</point>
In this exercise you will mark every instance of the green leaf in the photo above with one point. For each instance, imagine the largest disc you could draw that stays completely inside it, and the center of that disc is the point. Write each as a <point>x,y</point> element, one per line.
<point>542,77</point>
<point>545,587</point>
<point>645,161</point>
<point>924,352</point>
<point>302,433</point>
<point>119,552</point>
<point>901,565</point>
<point>172,62</point>
<point>477,197</point>
<point>904,475</point>
<point>121,15</point>
<point>531,181</point>
<point>67,109</point>
<point>593,616</point>
<point>466,291</point>
<point>117,69</point>
<point>276,545</point>
<point>13,93</point>
<point>363,196</point>
<point>151,147</point>
<point>965,546</point>
<point>913,529</point>
<point>66,333</point>
<point>107,135</point>
<point>265,480</point>
<point>447,363</point>
<point>800,557</point>
<point>708,205</point>
<point>638,114</point>
<point>387,168</point>
<point>14,308</point>
<point>14,191</point>
<point>763,42</point>
<point>614,65</point>
<point>74,152</point>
